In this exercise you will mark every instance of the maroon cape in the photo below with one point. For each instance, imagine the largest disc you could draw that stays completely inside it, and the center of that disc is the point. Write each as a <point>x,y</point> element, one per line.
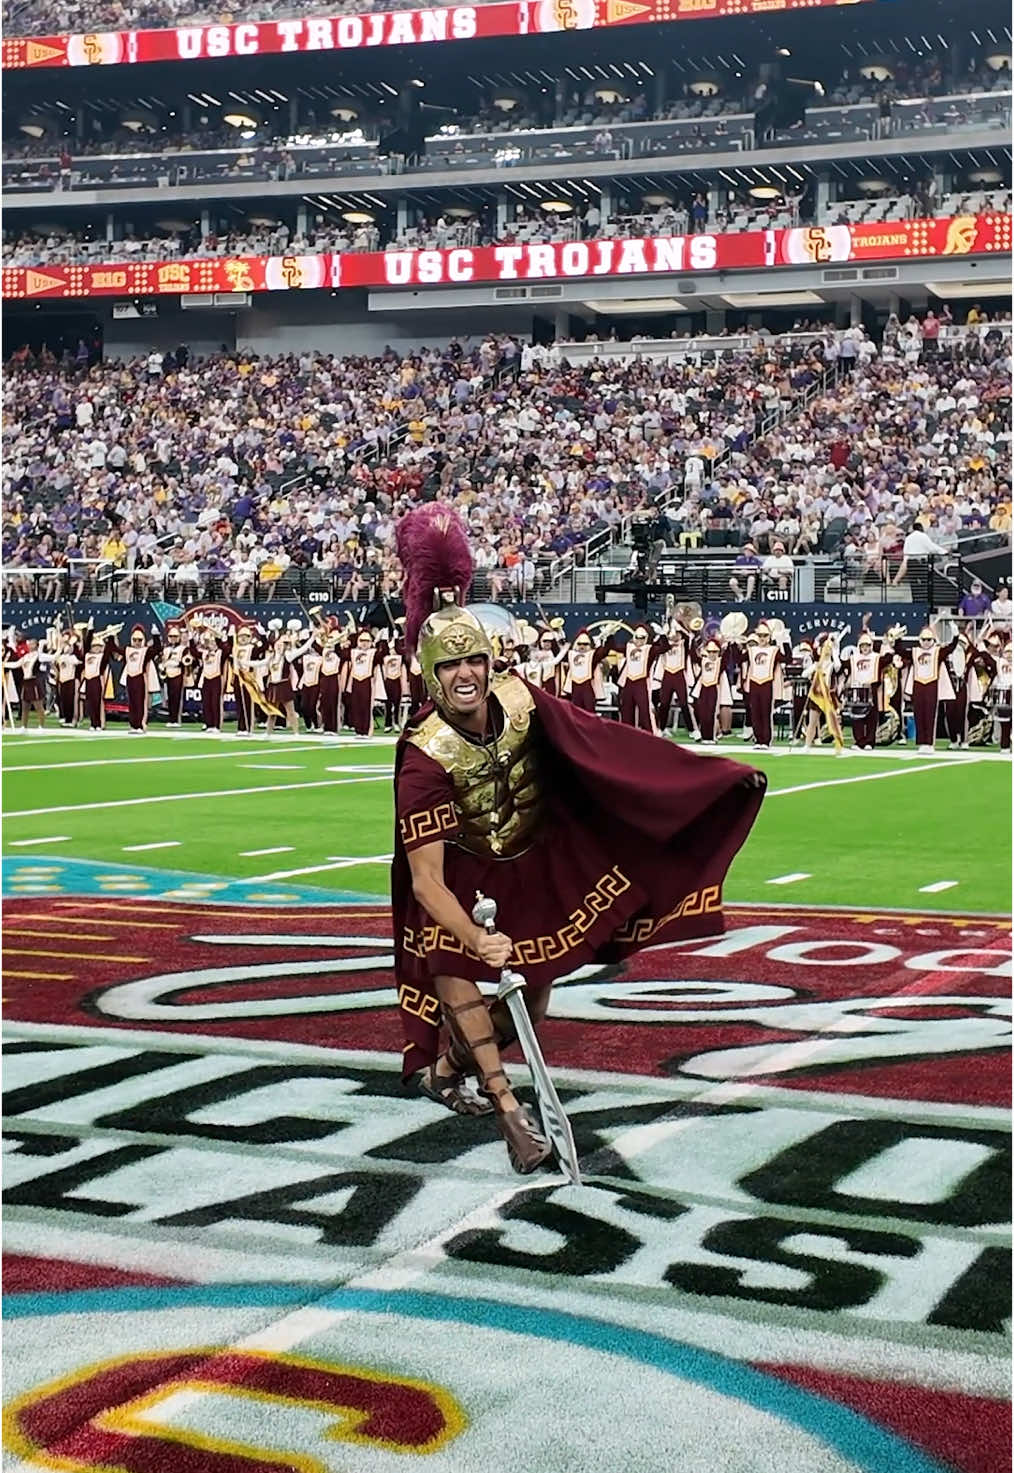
<point>638,836</point>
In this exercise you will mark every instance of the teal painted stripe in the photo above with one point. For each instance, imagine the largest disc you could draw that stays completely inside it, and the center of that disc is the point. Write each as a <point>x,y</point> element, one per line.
<point>143,1297</point>
<point>78,877</point>
<point>872,1448</point>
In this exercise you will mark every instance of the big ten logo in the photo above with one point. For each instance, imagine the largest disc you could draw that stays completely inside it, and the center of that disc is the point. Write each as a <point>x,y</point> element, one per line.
<point>196,1409</point>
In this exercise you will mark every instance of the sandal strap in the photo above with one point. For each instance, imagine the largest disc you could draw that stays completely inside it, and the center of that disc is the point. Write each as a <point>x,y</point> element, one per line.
<point>463,1007</point>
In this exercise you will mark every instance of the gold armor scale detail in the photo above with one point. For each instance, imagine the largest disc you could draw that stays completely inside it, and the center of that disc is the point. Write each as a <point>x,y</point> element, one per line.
<point>497,788</point>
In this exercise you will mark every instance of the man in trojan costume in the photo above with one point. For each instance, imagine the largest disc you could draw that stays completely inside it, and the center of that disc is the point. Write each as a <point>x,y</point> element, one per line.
<point>595,840</point>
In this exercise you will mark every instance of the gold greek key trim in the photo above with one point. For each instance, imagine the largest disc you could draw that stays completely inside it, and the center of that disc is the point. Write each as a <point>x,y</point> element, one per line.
<point>533,949</point>
<point>698,902</point>
<point>431,823</point>
<point>420,1004</point>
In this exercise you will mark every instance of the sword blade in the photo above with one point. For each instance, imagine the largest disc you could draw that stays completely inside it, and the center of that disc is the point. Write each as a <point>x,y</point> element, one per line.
<point>554,1117</point>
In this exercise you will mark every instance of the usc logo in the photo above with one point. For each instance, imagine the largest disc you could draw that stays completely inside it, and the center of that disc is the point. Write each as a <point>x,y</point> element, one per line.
<point>108,1416</point>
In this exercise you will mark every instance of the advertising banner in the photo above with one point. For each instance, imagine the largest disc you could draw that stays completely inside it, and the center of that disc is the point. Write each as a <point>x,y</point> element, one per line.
<point>353,32</point>
<point>592,260</point>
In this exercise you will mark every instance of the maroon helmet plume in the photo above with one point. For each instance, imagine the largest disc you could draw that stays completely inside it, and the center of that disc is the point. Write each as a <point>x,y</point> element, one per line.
<point>434,552</point>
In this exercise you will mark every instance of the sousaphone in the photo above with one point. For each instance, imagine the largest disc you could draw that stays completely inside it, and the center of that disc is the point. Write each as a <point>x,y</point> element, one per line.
<point>734,626</point>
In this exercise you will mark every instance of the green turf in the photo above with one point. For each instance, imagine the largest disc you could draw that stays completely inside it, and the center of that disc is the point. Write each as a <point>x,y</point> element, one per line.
<point>861,842</point>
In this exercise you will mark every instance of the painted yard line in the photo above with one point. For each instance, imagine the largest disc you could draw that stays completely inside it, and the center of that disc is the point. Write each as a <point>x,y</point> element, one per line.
<point>61,914</point>
<point>71,955</point>
<point>53,839</point>
<point>138,761</point>
<point>274,766</point>
<point>338,782</point>
<point>316,869</point>
<point>162,844</point>
<point>935,889</point>
<point>41,976</point>
<point>50,935</point>
<point>256,853</point>
<point>789,879</point>
<point>841,782</point>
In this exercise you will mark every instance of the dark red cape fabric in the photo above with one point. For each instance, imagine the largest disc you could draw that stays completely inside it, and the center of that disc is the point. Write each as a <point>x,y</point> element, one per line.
<point>670,820</point>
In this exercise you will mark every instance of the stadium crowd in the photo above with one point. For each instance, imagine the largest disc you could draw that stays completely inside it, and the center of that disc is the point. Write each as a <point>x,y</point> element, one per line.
<point>222,474</point>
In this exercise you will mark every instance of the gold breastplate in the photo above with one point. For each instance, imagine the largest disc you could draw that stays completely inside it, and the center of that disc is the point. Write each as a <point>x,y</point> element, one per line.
<point>497,787</point>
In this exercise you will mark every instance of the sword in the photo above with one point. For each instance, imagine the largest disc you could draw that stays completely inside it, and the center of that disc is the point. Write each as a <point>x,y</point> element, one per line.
<point>554,1119</point>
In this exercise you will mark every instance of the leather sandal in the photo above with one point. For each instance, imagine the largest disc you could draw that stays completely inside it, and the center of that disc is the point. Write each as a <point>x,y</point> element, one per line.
<point>452,1091</point>
<point>527,1148</point>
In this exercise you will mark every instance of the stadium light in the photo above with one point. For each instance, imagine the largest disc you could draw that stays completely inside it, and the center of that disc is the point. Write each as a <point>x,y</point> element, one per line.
<point>556,206</point>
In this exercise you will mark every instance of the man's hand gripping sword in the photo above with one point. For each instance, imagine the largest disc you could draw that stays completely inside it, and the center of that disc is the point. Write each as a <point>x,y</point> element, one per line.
<point>554,1120</point>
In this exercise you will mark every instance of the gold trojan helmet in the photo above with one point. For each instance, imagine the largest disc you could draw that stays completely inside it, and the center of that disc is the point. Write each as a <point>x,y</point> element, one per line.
<point>450,633</point>
<point>434,551</point>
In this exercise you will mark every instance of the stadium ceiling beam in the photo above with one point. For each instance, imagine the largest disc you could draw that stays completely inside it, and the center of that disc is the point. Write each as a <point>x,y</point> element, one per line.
<point>812,155</point>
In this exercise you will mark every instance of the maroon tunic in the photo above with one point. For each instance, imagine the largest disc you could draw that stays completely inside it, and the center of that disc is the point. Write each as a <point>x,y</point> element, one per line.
<point>635,843</point>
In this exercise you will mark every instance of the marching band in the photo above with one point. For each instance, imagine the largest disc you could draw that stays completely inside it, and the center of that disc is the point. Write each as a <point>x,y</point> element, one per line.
<point>685,674</point>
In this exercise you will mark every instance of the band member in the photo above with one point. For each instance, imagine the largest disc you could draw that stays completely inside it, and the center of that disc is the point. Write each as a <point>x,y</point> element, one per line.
<point>309,685</point>
<point>97,652</point>
<point>360,683</point>
<point>669,676</point>
<point>279,675</point>
<point>247,678</point>
<point>866,670</point>
<point>633,679</point>
<point>137,655</point>
<point>996,657</point>
<point>583,684</point>
<point>762,684</point>
<point>66,664</point>
<point>30,664</point>
<point>803,662</point>
<point>15,647</point>
<point>589,837</point>
<point>416,684</point>
<point>210,654</point>
<point>959,669</point>
<point>394,679</point>
<point>710,691</point>
<point>329,682</point>
<point>509,658</point>
<point>174,661</point>
<point>822,704</point>
<point>927,682</point>
<point>544,662</point>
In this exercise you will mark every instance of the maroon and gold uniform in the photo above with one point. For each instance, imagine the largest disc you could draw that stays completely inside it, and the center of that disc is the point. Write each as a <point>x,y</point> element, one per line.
<point>867,698</point>
<point>211,654</point>
<point>361,681</point>
<point>927,682</point>
<point>174,661</point>
<point>669,676</point>
<point>711,689</point>
<point>583,684</point>
<point>395,683</point>
<point>137,655</point>
<point>633,679</point>
<point>66,664</point>
<point>329,684</point>
<point>96,658</point>
<point>762,684</point>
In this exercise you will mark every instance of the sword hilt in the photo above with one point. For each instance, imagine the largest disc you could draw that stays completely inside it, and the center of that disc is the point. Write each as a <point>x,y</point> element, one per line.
<point>484,912</point>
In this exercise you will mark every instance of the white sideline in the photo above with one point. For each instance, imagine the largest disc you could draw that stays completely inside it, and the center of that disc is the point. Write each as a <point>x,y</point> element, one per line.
<point>336,782</point>
<point>135,761</point>
<point>344,862</point>
<point>867,777</point>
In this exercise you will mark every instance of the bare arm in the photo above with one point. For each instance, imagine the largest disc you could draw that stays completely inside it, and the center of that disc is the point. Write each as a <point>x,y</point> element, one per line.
<point>427,867</point>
